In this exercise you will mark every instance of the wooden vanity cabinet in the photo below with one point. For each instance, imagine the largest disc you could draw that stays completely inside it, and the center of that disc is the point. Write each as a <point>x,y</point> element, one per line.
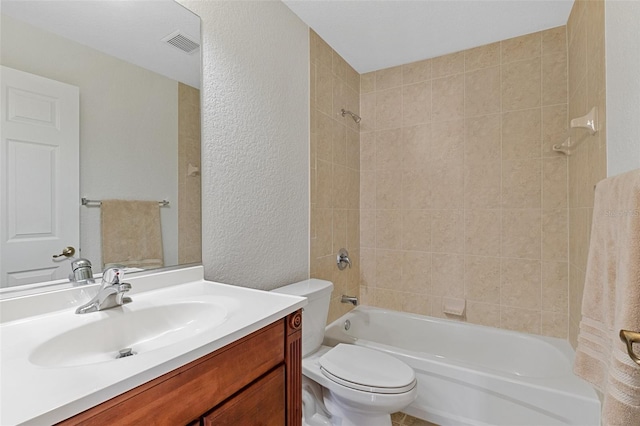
<point>263,403</point>
<point>256,380</point>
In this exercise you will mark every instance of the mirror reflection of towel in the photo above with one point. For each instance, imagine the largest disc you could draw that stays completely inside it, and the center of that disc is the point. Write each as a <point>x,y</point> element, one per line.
<point>131,233</point>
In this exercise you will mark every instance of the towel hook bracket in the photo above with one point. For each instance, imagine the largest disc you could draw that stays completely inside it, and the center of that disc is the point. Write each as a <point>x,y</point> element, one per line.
<point>588,121</point>
<point>629,338</point>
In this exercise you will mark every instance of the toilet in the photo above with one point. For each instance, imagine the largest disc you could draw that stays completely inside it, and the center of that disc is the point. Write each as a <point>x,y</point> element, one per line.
<point>345,385</point>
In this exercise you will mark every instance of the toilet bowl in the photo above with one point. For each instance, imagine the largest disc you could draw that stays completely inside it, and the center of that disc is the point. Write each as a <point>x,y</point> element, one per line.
<point>360,386</point>
<point>346,385</point>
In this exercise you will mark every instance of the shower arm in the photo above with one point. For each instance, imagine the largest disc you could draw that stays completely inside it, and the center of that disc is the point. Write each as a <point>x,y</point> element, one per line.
<point>355,117</point>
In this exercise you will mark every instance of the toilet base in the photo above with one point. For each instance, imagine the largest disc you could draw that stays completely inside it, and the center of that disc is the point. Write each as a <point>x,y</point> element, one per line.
<point>347,416</point>
<point>314,413</point>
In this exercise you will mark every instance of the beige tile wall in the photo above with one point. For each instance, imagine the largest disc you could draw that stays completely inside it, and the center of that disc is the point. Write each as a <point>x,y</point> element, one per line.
<point>335,171</point>
<point>461,194</point>
<point>587,164</point>
<point>189,211</point>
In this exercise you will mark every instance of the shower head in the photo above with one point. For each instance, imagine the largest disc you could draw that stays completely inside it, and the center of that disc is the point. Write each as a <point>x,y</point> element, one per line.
<point>355,117</point>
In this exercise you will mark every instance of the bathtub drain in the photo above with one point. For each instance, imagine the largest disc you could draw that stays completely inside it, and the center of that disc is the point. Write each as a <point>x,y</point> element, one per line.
<point>347,325</point>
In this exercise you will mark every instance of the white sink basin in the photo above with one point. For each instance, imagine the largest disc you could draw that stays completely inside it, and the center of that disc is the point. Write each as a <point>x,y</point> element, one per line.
<point>56,363</point>
<point>141,330</point>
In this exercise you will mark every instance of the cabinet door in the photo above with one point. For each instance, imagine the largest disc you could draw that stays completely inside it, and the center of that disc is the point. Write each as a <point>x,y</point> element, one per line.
<point>261,404</point>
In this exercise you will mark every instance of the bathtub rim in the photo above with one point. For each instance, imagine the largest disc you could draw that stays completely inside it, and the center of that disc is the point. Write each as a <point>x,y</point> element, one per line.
<point>568,384</point>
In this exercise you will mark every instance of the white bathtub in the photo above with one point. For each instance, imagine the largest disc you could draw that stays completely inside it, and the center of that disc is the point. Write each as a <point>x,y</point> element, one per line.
<point>474,375</point>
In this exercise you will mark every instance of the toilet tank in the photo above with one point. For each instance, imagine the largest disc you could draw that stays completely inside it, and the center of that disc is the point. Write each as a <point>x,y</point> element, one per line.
<point>314,315</point>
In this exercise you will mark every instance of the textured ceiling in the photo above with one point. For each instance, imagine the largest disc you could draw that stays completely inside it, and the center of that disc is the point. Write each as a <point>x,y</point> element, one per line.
<point>372,35</point>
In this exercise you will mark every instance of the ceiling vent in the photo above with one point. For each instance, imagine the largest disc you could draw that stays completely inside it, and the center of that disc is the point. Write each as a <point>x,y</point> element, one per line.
<point>182,42</point>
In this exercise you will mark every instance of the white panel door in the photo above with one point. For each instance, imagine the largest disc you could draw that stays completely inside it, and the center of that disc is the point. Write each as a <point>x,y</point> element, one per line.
<point>39,177</point>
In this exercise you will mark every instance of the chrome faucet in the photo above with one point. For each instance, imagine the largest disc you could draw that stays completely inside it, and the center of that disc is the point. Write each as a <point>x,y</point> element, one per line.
<point>111,293</point>
<point>349,299</point>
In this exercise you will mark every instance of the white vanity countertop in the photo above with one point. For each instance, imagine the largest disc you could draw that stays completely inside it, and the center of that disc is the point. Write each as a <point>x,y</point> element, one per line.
<point>38,390</point>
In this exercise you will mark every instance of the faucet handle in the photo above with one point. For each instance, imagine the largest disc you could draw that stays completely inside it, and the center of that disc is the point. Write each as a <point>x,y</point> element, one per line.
<point>343,259</point>
<point>113,275</point>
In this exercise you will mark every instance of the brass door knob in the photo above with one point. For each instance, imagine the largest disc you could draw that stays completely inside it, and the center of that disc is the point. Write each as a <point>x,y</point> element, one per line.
<point>67,252</point>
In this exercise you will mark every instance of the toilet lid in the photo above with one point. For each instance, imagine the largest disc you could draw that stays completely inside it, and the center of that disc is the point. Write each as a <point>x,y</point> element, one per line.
<point>367,370</point>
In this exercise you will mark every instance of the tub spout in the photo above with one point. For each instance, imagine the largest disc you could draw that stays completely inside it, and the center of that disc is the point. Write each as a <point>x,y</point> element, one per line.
<point>350,299</point>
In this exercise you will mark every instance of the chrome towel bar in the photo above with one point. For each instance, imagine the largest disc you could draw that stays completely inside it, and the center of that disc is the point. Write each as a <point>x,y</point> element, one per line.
<point>629,338</point>
<point>97,203</point>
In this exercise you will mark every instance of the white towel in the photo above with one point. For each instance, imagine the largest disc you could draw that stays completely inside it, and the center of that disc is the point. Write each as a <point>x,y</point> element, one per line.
<point>612,299</point>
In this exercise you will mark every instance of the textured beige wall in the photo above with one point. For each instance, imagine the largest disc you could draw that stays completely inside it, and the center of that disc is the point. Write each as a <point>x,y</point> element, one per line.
<point>461,194</point>
<point>189,187</point>
<point>255,143</point>
<point>588,163</point>
<point>335,165</point>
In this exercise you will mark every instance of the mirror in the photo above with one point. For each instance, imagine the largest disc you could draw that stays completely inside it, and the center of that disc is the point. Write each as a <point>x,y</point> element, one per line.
<point>136,69</point>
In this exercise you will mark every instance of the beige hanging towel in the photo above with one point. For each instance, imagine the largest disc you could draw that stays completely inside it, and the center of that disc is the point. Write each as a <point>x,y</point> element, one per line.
<point>612,299</point>
<point>131,234</point>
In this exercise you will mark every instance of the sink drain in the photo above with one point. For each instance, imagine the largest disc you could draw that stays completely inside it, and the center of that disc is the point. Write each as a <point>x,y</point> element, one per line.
<point>123,353</point>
